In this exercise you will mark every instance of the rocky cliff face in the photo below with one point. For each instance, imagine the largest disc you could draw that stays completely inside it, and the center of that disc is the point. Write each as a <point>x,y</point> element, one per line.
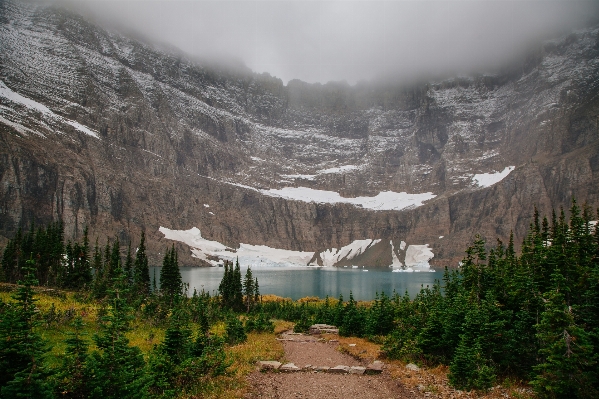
<point>101,130</point>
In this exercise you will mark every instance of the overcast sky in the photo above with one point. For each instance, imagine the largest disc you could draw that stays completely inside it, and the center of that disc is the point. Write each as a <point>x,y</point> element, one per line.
<point>319,41</point>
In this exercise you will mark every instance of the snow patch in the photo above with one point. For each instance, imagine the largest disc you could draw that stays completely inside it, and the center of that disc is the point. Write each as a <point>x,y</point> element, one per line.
<point>34,105</point>
<point>306,177</point>
<point>252,255</point>
<point>395,263</point>
<point>417,257</point>
<point>339,169</point>
<point>488,179</point>
<point>332,256</point>
<point>19,128</point>
<point>19,99</point>
<point>81,128</point>
<point>384,201</point>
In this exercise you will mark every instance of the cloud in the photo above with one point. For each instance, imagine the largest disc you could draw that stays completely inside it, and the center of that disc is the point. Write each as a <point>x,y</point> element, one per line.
<point>319,41</point>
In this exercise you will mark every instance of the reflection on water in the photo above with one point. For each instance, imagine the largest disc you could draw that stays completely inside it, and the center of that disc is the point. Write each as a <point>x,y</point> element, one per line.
<point>296,283</point>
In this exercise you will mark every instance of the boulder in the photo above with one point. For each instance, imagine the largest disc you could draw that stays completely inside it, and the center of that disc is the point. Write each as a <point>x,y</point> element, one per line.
<point>413,367</point>
<point>323,369</point>
<point>375,367</point>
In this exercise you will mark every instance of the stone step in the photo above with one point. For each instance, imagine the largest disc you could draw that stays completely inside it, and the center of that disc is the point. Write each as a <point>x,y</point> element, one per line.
<point>375,367</point>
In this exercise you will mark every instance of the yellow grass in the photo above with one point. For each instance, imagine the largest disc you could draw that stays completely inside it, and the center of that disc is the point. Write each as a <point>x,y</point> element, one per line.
<point>259,346</point>
<point>431,381</point>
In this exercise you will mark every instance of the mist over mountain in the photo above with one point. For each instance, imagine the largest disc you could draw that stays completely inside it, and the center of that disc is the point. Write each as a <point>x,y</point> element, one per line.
<point>122,135</point>
<point>359,40</point>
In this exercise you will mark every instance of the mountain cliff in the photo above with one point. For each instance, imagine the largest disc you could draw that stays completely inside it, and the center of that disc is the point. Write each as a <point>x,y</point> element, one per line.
<point>109,132</point>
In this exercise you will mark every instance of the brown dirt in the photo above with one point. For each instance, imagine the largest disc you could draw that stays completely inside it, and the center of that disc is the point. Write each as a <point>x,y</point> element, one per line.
<point>304,350</point>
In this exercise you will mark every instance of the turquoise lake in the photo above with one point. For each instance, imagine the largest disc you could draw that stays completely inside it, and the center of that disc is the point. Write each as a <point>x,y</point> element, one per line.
<point>296,283</point>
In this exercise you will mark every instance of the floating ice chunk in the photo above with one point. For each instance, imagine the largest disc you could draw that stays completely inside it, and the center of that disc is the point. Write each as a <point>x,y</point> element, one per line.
<point>488,179</point>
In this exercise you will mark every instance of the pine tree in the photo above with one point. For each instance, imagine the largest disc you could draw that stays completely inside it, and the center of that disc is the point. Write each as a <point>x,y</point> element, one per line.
<point>24,374</point>
<point>237,288</point>
<point>171,284</point>
<point>568,369</point>
<point>99,283</point>
<point>141,275</point>
<point>116,367</point>
<point>256,292</point>
<point>249,289</point>
<point>128,269</point>
<point>353,319</point>
<point>224,288</point>
<point>73,379</point>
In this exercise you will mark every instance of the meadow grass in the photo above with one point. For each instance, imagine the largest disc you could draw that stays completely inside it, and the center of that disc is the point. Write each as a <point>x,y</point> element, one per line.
<point>57,309</point>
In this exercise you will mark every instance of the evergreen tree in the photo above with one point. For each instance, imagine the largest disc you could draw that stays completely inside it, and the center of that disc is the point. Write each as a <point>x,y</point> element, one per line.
<point>237,288</point>
<point>256,291</point>
<point>117,369</point>
<point>141,275</point>
<point>72,379</point>
<point>128,269</point>
<point>24,374</point>
<point>353,319</point>
<point>568,369</point>
<point>249,289</point>
<point>171,284</point>
<point>99,283</point>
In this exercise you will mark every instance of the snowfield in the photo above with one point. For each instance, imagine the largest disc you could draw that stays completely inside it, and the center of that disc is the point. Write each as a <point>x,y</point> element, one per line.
<point>213,252</point>
<point>384,201</point>
<point>489,179</point>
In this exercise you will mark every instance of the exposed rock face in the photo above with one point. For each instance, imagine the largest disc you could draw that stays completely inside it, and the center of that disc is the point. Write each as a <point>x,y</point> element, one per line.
<point>100,130</point>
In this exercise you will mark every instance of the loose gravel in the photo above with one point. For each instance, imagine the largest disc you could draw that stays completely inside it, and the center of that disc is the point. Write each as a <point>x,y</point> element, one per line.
<point>304,350</point>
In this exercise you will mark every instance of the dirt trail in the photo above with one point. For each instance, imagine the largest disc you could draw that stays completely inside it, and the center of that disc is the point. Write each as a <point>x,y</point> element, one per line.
<point>307,350</point>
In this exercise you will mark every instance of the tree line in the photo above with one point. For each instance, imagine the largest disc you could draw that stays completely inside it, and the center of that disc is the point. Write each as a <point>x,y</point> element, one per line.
<point>531,316</point>
<point>189,353</point>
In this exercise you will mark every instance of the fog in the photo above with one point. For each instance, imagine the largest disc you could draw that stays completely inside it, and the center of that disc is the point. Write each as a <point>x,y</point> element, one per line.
<point>320,41</point>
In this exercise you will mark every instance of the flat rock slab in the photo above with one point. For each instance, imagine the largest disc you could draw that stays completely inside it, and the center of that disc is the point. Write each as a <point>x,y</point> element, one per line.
<point>289,367</point>
<point>339,369</point>
<point>268,365</point>
<point>357,370</point>
<point>316,329</point>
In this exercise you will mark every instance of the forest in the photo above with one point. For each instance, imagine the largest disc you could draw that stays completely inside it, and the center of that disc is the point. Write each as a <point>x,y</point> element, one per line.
<point>531,315</point>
